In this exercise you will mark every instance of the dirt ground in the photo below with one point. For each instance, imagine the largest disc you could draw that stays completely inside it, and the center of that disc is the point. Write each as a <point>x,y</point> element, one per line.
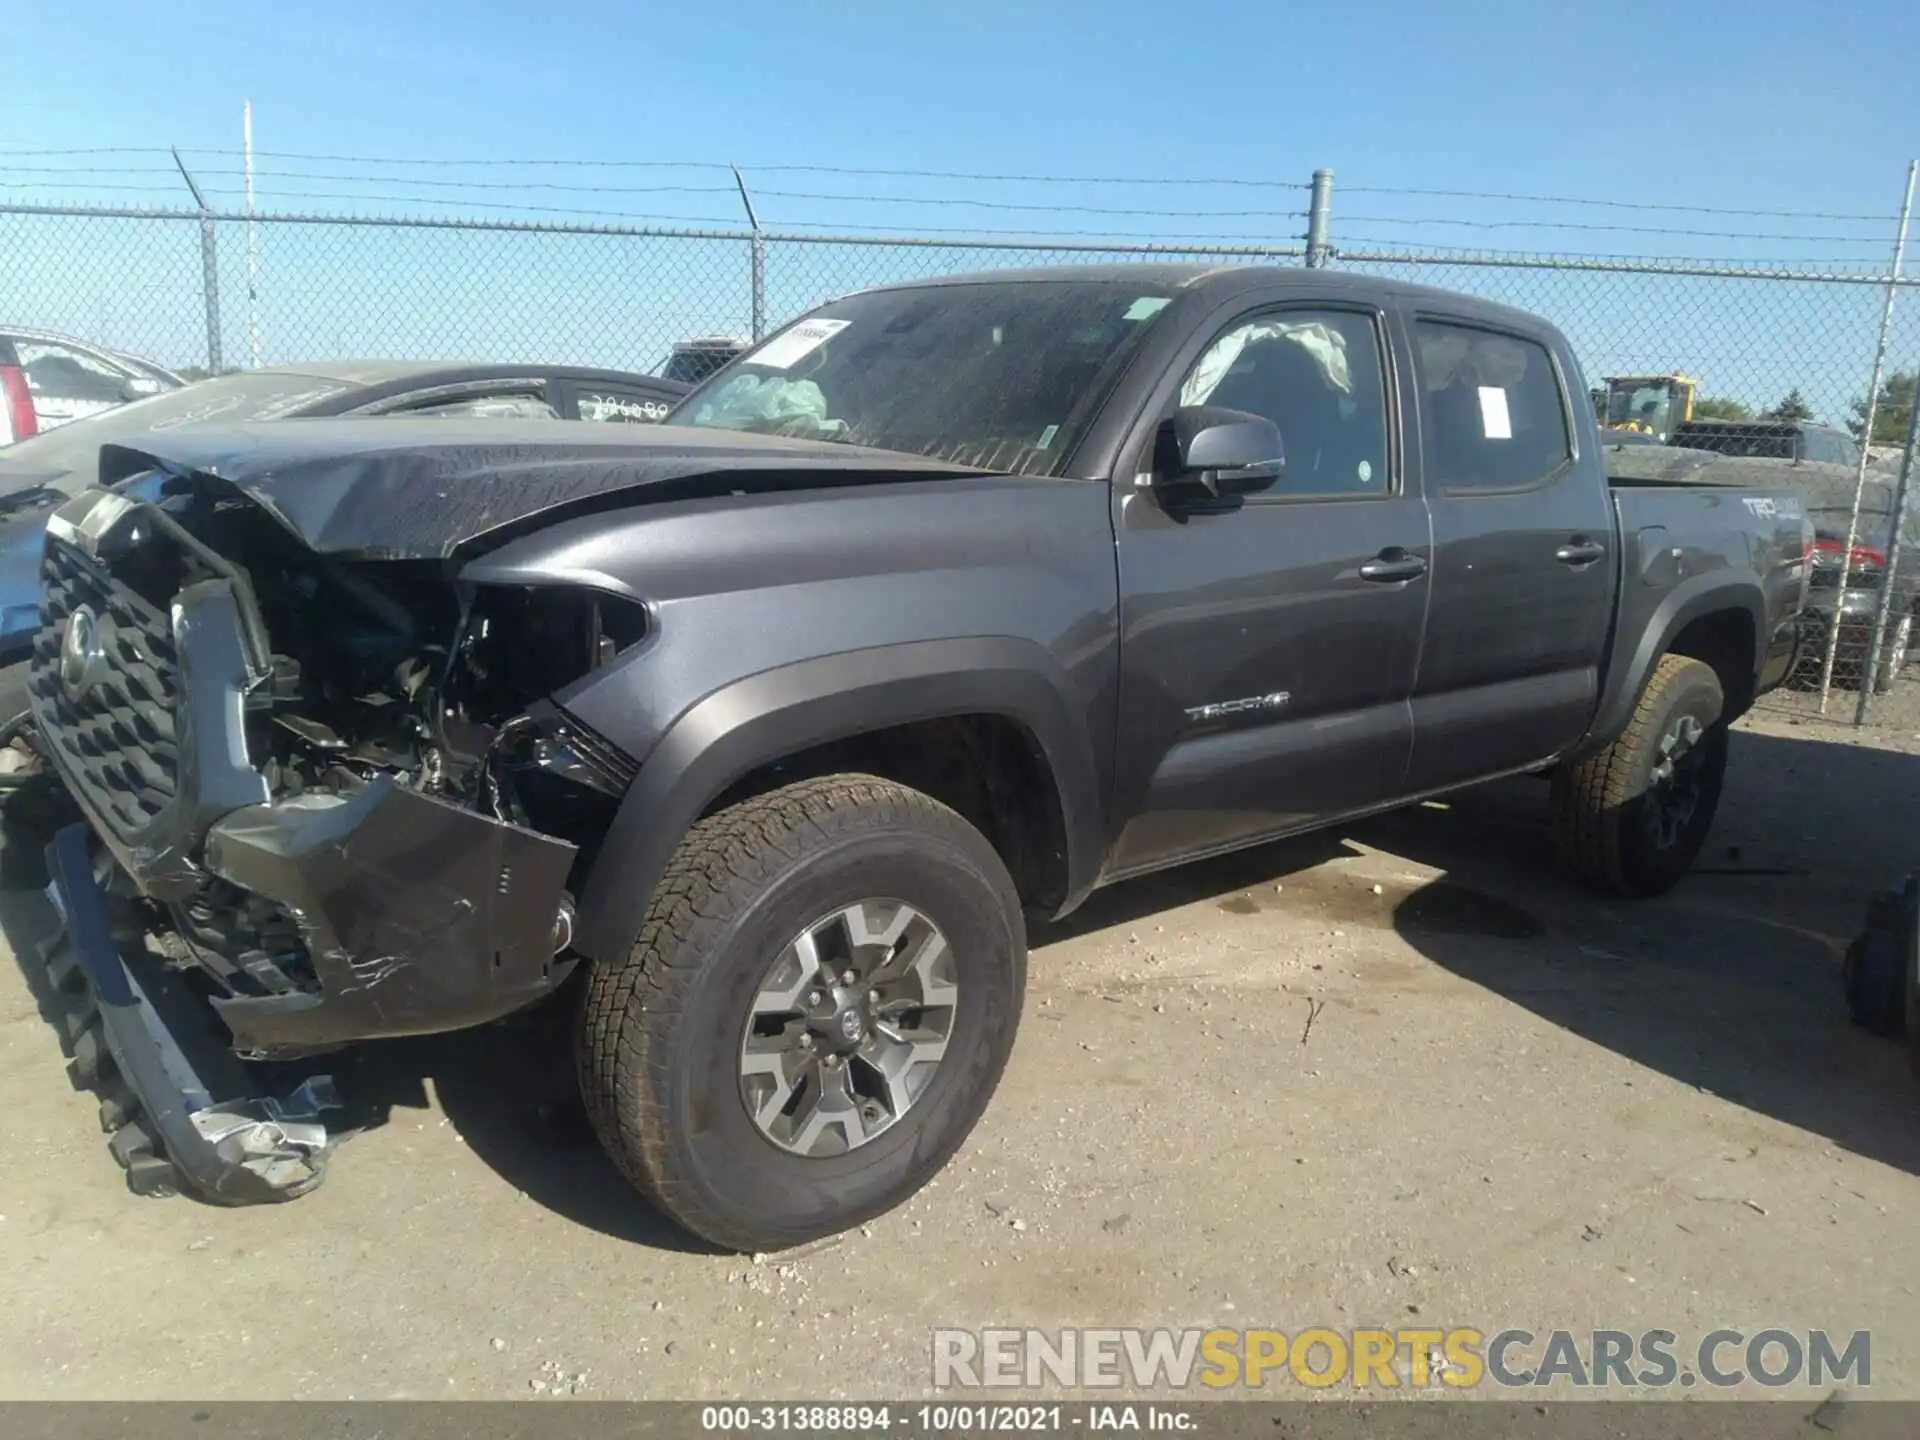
<point>1399,1073</point>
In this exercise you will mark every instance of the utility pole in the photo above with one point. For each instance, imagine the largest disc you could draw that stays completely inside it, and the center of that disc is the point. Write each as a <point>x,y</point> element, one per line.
<point>209,266</point>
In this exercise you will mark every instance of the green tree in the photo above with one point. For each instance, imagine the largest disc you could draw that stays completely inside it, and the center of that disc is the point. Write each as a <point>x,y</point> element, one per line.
<point>1792,410</point>
<point>1719,407</point>
<point>1890,420</point>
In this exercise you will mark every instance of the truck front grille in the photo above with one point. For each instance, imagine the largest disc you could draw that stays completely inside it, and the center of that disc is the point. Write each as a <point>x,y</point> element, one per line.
<point>115,735</point>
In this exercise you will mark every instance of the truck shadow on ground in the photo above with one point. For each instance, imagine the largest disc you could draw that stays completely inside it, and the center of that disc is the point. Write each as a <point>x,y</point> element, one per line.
<point>1730,984</point>
<point>509,1092</point>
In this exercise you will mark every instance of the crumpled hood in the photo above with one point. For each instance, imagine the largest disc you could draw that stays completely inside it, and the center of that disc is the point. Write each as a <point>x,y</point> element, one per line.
<point>399,489</point>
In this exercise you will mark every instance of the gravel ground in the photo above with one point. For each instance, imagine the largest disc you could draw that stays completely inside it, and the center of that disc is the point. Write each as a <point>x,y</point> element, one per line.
<point>1400,1074</point>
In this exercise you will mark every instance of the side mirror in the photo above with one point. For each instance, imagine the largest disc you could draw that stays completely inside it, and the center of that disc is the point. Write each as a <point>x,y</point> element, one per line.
<point>1219,453</point>
<point>138,387</point>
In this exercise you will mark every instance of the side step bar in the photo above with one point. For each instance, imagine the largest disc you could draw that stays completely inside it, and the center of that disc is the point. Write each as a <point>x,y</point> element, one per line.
<point>182,1110</point>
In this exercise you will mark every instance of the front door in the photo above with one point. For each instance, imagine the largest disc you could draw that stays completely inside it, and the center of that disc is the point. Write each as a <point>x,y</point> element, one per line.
<point>1523,564</point>
<point>1268,651</point>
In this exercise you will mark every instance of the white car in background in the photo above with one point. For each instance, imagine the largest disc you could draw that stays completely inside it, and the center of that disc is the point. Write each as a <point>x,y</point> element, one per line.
<point>65,378</point>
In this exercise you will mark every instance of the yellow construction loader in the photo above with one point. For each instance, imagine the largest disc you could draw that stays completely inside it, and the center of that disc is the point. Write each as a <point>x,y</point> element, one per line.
<point>1656,405</point>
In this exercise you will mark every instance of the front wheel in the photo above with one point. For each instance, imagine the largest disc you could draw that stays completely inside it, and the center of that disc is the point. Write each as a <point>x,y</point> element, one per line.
<point>818,1008</point>
<point>1630,819</point>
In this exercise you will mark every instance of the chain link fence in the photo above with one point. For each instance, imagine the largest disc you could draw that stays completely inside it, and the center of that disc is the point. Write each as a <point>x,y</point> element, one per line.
<point>209,291</point>
<point>1798,342</point>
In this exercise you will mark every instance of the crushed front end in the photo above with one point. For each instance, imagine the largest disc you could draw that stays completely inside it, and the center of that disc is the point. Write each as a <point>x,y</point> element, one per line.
<point>324,797</point>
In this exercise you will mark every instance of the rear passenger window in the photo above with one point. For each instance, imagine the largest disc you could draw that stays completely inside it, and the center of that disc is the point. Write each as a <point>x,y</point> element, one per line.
<point>485,407</point>
<point>1316,374</point>
<point>1491,410</point>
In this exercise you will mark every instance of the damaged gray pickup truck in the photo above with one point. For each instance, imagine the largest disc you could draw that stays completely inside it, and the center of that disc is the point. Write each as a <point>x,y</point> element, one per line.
<point>759,738</point>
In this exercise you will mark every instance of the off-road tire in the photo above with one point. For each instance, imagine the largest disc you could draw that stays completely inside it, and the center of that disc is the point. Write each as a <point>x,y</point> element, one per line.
<point>1598,803</point>
<point>660,1030</point>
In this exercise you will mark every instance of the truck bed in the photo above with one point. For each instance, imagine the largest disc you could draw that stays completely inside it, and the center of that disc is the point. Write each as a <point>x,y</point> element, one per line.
<point>1680,536</point>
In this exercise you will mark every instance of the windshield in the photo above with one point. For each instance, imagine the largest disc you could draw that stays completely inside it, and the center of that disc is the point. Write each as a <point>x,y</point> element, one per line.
<point>68,458</point>
<point>998,375</point>
<point>1645,403</point>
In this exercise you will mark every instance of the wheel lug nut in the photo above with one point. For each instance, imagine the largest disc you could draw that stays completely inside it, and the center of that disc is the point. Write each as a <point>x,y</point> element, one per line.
<point>847,977</point>
<point>806,1040</point>
<point>814,997</point>
<point>833,1062</point>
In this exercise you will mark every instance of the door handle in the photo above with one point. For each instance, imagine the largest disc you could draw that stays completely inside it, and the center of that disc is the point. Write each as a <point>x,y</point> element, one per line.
<point>1392,565</point>
<point>1580,552</point>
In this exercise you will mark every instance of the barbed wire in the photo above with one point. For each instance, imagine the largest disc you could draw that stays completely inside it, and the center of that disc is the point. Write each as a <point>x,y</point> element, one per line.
<point>991,177</point>
<point>1590,226</point>
<point>1611,204</point>
<point>1348,242</point>
<point>522,195</point>
<point>1856,269</point>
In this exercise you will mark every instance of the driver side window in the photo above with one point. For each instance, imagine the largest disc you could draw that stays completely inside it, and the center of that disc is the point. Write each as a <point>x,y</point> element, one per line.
<point>1317,375</point>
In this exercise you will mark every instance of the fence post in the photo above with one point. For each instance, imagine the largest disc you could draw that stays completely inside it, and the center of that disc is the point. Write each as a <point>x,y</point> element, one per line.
<point>1887,588</point>
<point>757,279</point>
<point>209,268</point>
<point>1866,440</point>
<point>759,287</point>
<point>1318,214</point>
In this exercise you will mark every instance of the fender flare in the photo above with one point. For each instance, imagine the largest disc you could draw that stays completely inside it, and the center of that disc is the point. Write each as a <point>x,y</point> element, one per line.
<point>1699,596</point>
<point>761,718</point>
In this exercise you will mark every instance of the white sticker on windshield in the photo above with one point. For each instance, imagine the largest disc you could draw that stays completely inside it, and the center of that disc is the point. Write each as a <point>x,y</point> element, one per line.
<point>797,343</point>
<point>1146,307</point>
<point>1495,422</point>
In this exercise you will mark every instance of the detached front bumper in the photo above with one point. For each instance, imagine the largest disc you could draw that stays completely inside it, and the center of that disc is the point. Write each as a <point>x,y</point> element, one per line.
<point>414,914</point>
<point>183,1111</point>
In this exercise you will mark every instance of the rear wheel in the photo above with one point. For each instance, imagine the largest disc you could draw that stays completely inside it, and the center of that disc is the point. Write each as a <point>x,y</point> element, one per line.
<point>817,1010</point>
<point>1631,819</point>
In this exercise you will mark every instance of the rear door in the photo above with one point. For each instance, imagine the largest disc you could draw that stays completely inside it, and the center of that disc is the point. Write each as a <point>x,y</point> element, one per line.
<point>1523,553</point>
<point>1267,650</point>
<point>521,398</point>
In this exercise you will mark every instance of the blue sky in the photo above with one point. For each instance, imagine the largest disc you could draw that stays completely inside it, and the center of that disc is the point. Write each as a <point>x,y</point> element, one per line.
<point>1769,106</point>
